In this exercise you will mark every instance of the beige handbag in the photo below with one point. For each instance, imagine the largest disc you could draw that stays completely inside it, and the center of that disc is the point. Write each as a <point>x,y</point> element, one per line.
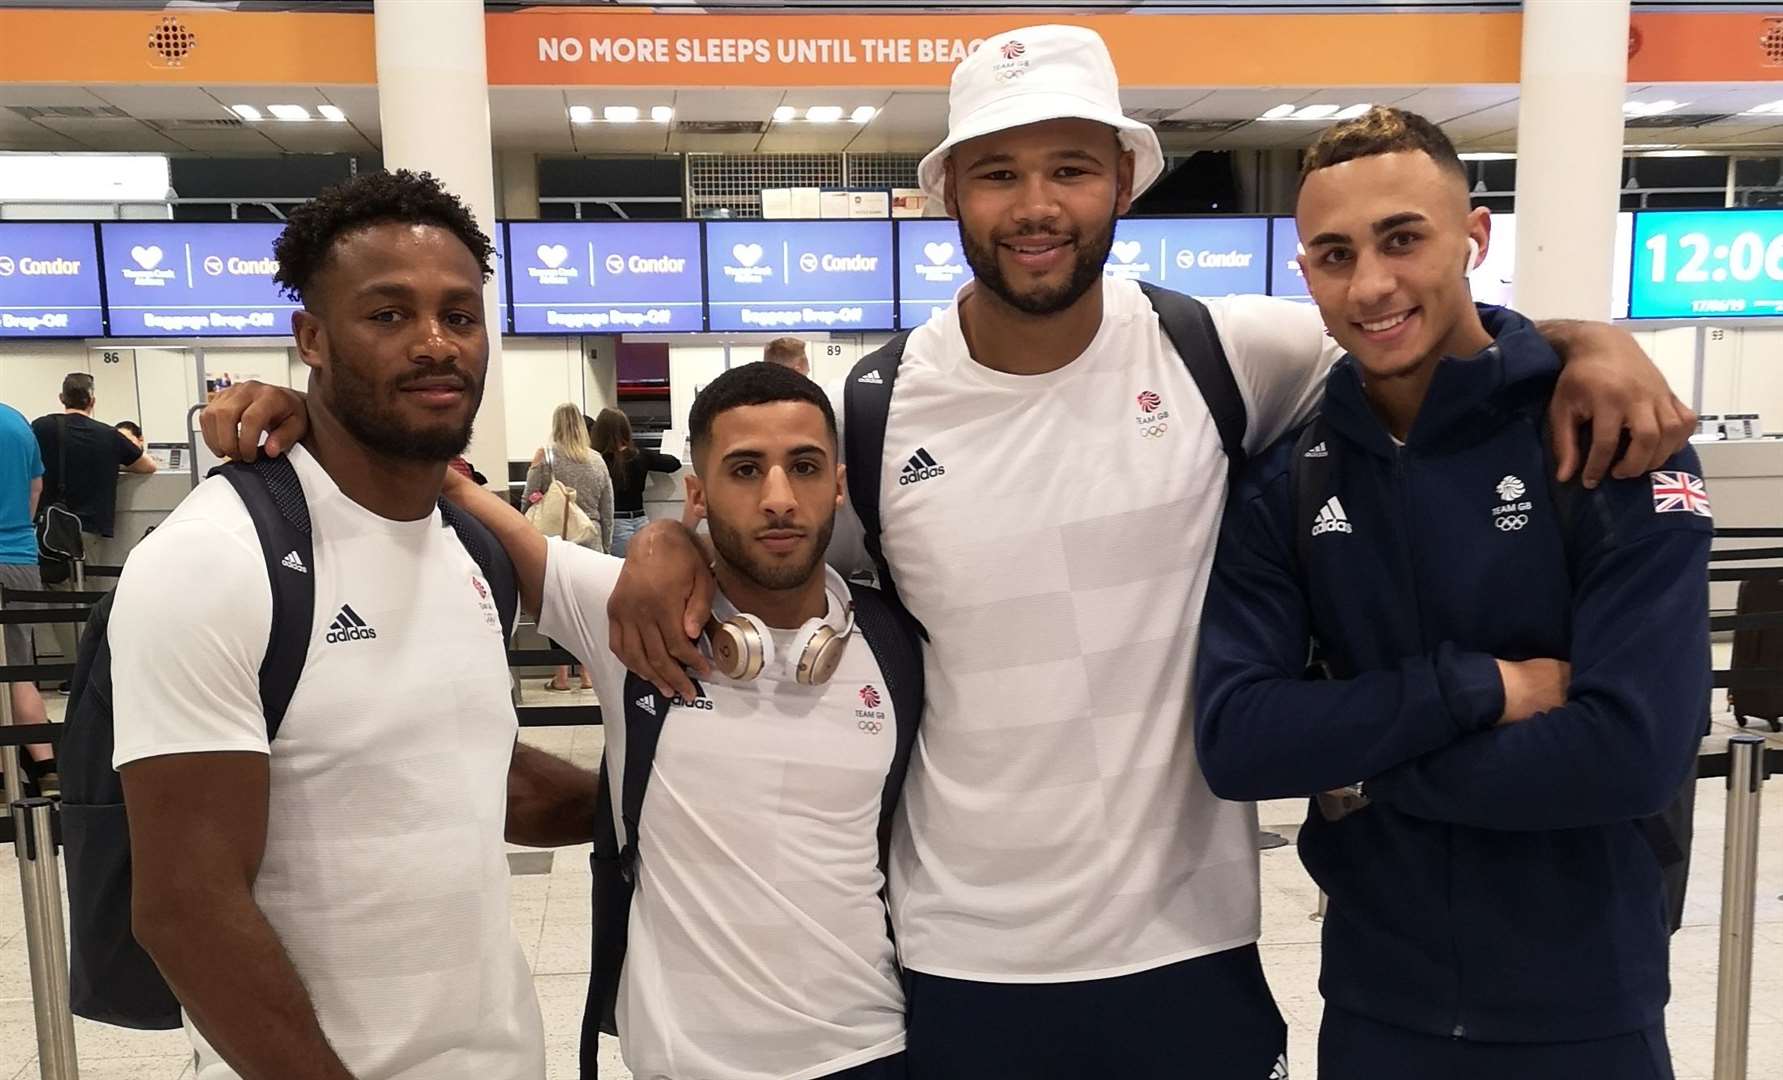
<point>556,513</point>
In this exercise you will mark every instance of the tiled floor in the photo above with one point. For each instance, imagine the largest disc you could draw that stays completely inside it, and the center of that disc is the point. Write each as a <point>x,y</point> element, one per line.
<point>551,916</point>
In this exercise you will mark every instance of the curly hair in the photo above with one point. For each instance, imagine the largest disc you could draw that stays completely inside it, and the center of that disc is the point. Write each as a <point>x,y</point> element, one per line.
<point>370,199</point>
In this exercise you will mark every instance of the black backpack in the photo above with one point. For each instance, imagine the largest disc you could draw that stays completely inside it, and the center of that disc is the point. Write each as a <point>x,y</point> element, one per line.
<point>866,405</point>
<point>111,978</point>
<point>897,647</point>
<point>1669,832</point>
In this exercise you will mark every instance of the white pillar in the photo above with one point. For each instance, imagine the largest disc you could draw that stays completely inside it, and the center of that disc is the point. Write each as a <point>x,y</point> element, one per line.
<point>433,101</point>
<point>1569,155</point>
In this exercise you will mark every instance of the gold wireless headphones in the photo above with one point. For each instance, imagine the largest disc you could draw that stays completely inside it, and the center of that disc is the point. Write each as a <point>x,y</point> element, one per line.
<point>742,647</point>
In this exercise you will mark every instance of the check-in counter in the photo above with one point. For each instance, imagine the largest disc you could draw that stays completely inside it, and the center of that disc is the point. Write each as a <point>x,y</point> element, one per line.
<point>143,503</point>
<point>1745,481</point>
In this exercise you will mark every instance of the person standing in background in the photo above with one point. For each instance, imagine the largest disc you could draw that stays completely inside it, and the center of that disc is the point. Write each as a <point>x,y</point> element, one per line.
<point>569,458</point>
<point>21,486</point>
<point>94,454</point>
<point>630,467</point>
<point>788,352</point>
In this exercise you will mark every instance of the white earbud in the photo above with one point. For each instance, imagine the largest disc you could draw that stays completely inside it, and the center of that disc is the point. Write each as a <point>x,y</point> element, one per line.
<point>1473,256</point>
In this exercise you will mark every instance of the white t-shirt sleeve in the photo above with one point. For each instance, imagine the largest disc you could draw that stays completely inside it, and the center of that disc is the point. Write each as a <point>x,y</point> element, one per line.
<point>573,610</point>
<point>188,630</point>
<point>848,544</point>
<point>1280,355</point>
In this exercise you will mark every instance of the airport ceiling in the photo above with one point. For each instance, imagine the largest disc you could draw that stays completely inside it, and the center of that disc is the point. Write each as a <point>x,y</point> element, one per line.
<point>200,119</point>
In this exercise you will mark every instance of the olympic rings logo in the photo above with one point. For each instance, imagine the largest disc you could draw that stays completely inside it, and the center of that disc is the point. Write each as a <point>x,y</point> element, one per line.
<point>871,727</point>
<point>1156,431</point>
<point>1511,522</point>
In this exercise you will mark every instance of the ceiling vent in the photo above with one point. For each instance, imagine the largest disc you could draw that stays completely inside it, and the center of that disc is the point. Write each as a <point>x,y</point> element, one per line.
<point>721,127</point>
<point>1677,120</point>
<point>204,124</point>
<point>1198,127</point>
<point>70,112</point>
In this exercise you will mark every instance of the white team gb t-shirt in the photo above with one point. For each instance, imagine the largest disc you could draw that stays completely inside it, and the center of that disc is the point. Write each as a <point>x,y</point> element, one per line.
<point>385,874</point>
<point>1054,534</point>
<point>757,946</point>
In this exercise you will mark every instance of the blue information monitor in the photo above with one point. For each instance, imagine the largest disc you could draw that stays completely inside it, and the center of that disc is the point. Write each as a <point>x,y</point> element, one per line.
<point>185,279</point>
<point>579,277</point>
<point>1697,263</point>
<point>1285,278</point>
<point>769,276</point>
<point>49,281</point>
<point>1198,256</point>
<point>931,268</point>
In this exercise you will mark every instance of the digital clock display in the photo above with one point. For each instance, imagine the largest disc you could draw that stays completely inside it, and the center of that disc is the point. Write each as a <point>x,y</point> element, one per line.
<point>1707,264</point>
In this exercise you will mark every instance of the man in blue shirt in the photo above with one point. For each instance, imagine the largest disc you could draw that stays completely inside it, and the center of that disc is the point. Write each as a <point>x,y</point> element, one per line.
<point>1519,670</point>
<point>21,486</point>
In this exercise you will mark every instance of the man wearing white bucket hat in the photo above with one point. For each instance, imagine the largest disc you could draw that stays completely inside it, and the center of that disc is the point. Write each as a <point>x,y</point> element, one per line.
<point>1044,490</point>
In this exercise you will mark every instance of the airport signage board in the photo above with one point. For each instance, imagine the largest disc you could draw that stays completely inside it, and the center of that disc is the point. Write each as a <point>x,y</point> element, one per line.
<point>769,276</point>
<point>49,281</point>
<point>585,277</point>
<point>931,268</point>
<point>193,279</point>
<point>1707,264</point>
<point>1221,256</point>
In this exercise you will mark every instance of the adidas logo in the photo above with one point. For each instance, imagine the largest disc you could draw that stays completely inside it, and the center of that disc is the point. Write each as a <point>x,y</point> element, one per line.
<point>872,378</point>
<point>1331,518</point>
<point>648,704</point>
<point>1318,451</point>
<point>292,562</point>
<point>921,466</point>
<point>1280,1072</point>
<point>348,626</point>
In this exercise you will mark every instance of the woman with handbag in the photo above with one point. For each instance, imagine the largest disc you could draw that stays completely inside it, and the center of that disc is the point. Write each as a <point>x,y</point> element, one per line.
<point>570,495</point>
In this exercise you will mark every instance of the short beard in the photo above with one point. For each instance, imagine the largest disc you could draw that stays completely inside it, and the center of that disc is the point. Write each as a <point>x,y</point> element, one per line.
<point>1086,272</point>
<point>776,577</point>
<point>357,402</point>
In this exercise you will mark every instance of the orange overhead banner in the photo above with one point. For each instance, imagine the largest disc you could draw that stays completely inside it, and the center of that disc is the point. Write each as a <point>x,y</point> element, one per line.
<point>632,47</point>
<point>568,47</point>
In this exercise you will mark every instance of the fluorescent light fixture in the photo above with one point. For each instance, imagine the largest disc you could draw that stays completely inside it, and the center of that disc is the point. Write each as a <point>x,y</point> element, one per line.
<point>662,114</point>
<point>785,114</point>
<point>1280,112</point>
<point>1637,147</point>
<point>863,115</point>
<point>824,114</point>
<point>1354,111</point>
<point>1677,153</point>
<point>1769,108</point>
<point>246,112</point>
<point>1486,155</point>
<point>1316,112</point>
<point>1650,108</point>
<point>288,112</point>
<point>76,178</point>
<point>332,112</point>
<point>621,114</point>
<point>581,114</point>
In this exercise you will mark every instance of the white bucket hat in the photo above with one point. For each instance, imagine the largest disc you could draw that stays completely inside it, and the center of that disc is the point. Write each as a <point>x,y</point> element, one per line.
<point>1035,74</point>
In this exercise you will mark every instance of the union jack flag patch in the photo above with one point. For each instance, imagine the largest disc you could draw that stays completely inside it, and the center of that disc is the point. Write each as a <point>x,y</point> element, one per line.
<point>1680,493</point>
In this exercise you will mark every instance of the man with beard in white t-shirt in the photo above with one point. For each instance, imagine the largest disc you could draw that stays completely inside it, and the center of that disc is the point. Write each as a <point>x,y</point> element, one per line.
<point>332,903</point>
<point>1069,898</point>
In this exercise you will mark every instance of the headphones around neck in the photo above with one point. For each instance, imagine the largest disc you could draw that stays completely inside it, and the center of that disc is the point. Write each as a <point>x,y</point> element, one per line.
<point>742,646</point>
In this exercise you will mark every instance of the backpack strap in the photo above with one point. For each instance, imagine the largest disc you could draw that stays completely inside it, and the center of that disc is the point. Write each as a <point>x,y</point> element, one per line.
<point>1189,326</point>
<point>271,491</point>
<point>866,406</point>
<point>896,641</point>
<point>645,711</point>
<point>491,558</point>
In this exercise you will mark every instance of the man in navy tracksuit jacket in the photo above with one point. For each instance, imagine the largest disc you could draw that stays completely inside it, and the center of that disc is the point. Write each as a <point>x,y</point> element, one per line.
<point>1520,676</point>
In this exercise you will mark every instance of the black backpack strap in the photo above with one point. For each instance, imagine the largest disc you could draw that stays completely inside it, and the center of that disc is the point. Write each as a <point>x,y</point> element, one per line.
<point>270,489</point>
<point>866,406</point>
<point>645,712</point>
<point>1189,326</point>
<point>896,641</point>
<point>491,558</point>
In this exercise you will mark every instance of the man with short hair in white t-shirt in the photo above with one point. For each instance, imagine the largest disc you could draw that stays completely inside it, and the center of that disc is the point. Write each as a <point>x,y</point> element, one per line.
<point>1068,896</point>
<point>332,904</point>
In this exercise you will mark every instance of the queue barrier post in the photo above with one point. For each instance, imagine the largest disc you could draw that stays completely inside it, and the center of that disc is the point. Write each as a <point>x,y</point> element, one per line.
<point>1739,883</point>
<point>9,755</point>
<point>46,939</point>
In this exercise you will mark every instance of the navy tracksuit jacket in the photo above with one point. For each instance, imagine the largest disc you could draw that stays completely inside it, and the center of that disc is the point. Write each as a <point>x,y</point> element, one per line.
<point>1500,887</point>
